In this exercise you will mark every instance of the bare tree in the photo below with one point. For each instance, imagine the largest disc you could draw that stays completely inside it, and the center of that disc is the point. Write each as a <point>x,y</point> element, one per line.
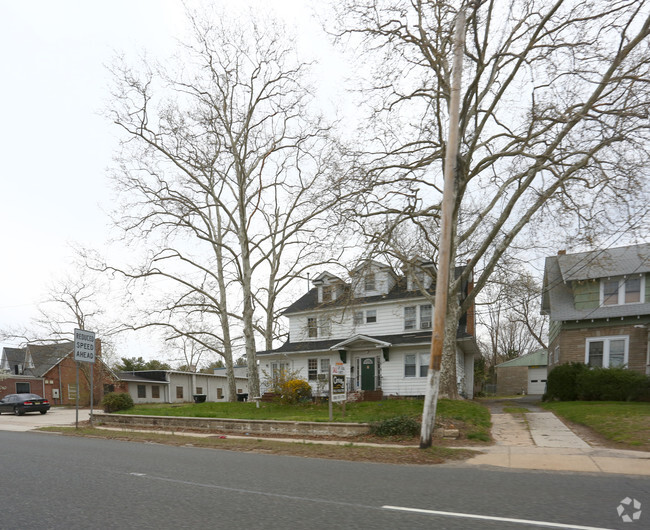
<point>509,310</point>
<point>221,174</point>
<point>553,126</point>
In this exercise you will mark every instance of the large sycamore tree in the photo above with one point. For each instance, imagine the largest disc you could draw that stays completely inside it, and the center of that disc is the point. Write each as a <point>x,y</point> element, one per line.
<point>219,175</point>
<point>554,119</point>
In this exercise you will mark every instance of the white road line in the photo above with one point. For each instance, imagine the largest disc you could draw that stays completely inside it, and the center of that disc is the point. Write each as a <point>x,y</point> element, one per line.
<point>491,518</point>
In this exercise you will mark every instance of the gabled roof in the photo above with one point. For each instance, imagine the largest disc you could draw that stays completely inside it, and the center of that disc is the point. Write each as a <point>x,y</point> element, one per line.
<point>360,338</point>
<point>12,357</point>
<point>604,263</point>
<point>560,271</point>
<point>309,301</point>
<point>536,358</point>
<point>45,357</point>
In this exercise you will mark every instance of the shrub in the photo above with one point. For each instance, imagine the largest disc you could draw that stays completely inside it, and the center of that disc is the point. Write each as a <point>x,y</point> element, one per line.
<point>114,401</point>
<point>611,384</point>
<point>561,382</point>
<point>397,426</point>
<point>294,391</point>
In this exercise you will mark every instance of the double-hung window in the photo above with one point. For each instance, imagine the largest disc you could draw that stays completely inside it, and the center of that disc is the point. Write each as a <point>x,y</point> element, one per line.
<point>619,291</point>
<point>371,316</point>
<point>369,282</point>
<point>410,317</point>
<point>416,365</point>
<point>312,369</point>
<point>607,352</point>
<point>325,325</point>
<point>425,316</point>
<point>312,327</point>
<point>357,318</point>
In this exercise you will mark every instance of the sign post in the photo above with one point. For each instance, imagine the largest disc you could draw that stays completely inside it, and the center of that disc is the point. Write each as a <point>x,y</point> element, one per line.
<point>84,352</point>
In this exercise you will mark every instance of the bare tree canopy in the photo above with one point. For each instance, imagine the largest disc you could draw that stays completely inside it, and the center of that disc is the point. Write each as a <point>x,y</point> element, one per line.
<point>221,174</point>
<point>553,125</point>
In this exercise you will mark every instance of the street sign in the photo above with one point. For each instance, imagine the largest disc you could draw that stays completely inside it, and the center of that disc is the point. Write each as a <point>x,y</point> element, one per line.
<point>84,346</point>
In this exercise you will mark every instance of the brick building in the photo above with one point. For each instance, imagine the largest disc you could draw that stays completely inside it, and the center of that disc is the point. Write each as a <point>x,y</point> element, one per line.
<point>599,307</point>
<point>50,371</point>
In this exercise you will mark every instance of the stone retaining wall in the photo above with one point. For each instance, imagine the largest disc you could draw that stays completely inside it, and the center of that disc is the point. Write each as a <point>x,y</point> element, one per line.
<point>303,428</point>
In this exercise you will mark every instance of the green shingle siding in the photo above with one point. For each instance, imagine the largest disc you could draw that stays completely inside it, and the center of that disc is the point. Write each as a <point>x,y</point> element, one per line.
<point>586,294</point>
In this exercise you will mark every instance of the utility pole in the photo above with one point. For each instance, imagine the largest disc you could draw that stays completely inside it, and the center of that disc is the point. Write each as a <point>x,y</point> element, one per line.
<point>444,256</point>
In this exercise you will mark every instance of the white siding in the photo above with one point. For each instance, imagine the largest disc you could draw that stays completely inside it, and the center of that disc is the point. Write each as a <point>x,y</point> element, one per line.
<point>390,321</point>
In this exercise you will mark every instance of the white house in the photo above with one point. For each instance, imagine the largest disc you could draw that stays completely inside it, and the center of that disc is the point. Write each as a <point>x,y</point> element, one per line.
<point>378,325</point>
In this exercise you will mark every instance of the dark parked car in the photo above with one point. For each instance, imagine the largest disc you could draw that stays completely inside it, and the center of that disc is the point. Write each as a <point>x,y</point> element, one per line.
<point>21,403</point>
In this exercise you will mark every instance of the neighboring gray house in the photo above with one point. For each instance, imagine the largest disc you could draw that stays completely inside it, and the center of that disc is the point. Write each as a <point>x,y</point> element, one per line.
<point>523,375</point>
<point>377,325</point>
<point>599,307</point>
<point>173,386</point>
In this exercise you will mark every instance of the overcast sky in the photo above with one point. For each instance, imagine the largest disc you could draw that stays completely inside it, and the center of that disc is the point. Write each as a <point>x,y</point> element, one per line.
<point>55,143</point>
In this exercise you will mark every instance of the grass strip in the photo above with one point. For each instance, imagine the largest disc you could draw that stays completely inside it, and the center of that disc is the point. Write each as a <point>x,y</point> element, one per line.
<point>309,449</point>
<point>621,422</point>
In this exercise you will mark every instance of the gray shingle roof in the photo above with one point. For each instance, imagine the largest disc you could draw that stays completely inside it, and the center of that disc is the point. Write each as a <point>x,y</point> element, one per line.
<point>46,356</point>
<point>604,263</point>
<point>560,271</point>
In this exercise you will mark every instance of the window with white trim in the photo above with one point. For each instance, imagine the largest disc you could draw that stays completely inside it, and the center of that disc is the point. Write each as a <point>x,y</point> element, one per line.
<point>426,312</point>
<point>312,369</point>
<point>369,281</point>
<point>410,317</point>
<point>371,316</point>
<point>416,365</point>
<point>72,391</point>
<point>325,326</point>
<point>620,291</point>
<point>142,391</point>
<point>312,327</point>
<point>607,352</point>
<point>324,366</point>
<point>357,318</point>
<point>327,293</point>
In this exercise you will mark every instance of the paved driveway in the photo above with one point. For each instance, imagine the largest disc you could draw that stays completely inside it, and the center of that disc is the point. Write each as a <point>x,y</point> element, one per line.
<point>33,420</point>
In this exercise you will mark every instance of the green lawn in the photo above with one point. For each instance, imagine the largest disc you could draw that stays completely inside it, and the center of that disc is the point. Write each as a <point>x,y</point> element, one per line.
<point>621,422</point>
<point>475,416</point>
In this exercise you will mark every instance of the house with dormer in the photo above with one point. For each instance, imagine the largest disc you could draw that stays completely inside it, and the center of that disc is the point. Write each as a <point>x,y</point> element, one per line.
<point>377,325</point>
<point>599,307</point>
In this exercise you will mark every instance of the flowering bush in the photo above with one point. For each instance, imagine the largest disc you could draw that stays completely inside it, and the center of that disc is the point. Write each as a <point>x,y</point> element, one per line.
<point>295,390</point>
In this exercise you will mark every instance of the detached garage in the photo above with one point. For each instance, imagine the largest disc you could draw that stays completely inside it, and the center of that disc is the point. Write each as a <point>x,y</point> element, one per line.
<point>525,374</point>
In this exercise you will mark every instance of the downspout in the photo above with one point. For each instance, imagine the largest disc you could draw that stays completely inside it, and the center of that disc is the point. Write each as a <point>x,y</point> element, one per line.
<point>647,361</point>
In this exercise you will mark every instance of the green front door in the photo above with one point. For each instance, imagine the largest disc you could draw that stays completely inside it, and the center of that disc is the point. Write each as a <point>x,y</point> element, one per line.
<point>368,373</point>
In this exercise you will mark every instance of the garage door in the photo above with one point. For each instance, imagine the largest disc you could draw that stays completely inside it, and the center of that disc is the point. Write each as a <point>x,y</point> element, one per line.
<point>537,380</point>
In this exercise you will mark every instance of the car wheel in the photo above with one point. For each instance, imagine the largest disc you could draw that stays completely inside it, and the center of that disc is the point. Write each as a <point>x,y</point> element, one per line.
<point>18,411</point>
<point>43,411</point>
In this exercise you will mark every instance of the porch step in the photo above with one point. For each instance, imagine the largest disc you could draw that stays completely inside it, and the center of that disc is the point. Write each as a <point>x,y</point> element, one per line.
<point>372,395</point>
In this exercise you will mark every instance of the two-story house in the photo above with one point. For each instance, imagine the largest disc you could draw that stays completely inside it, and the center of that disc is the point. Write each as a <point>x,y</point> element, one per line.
<point>599,307</point>
<point>378,324</point>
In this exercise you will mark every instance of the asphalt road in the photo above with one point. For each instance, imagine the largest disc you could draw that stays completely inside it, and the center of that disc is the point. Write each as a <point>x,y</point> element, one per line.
<point>52,481</point>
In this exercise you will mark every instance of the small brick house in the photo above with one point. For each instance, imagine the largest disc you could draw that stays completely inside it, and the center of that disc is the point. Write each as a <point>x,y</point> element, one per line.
<point>599,307</point>
<point>50,371</point>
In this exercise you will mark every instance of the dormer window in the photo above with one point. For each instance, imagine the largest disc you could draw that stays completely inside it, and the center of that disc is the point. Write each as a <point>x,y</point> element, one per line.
<point>327,293</point>
<point>619,291</point>
<point>369,282</point>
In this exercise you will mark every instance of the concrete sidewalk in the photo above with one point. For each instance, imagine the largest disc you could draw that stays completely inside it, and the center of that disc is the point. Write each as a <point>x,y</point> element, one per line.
<point>539,440</point>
